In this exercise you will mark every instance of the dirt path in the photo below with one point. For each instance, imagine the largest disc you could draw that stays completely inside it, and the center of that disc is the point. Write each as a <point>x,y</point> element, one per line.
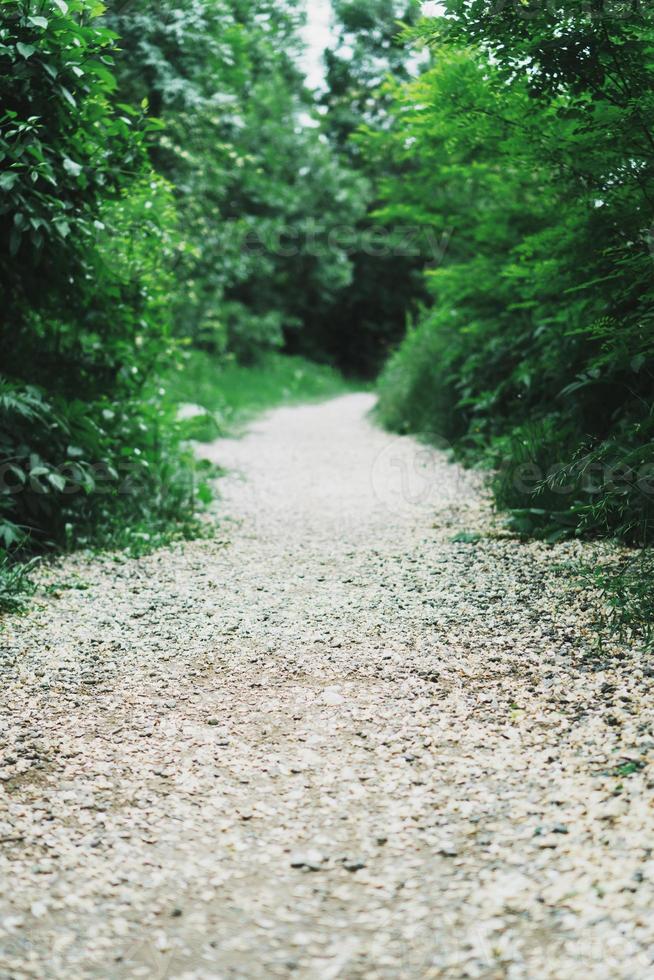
<point>332,742</point>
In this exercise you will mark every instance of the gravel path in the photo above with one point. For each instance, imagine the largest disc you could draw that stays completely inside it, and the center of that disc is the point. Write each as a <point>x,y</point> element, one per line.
<point>331,742</point>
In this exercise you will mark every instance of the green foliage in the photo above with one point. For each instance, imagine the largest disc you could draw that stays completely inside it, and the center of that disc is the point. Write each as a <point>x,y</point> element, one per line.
<point>537,351</point>
<point>628,595</point>
<point>531,135</point>
<point>165,177</point>
<point>87,238</point>
<point>368,51</point>
<point>232,394</point>
<point>368,317</point>
<point>16,586</point>
<point>260,194</point>
<point>73,471</point>
<point>67,151</point>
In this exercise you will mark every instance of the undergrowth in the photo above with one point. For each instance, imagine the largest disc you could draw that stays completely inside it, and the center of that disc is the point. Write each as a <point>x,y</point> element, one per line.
<point>148,495</point>
<point>16,585</point>
<point>626,588</point>
<point>231,394</point>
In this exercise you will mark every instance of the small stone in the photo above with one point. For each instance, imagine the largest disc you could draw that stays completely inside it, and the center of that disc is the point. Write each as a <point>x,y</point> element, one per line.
<point>353,864</point>
<point>332,697</point>
<point>312,860</point>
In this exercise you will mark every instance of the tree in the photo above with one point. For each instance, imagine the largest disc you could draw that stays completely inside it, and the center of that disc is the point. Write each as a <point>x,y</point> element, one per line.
<point>538,346</point>
<point>86,229</point>
<point>258,189</point>
<point>369,315</point>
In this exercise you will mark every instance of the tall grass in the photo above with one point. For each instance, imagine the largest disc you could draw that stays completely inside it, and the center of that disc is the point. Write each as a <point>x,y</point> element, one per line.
<point>231,394</point>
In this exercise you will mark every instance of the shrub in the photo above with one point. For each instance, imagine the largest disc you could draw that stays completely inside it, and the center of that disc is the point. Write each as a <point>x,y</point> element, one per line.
<point>87,240</point>
<point>537,354</point>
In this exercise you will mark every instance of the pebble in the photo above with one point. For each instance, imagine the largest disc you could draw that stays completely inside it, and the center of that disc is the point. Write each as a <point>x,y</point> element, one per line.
<point>312,860</point>
<point>330,684</point>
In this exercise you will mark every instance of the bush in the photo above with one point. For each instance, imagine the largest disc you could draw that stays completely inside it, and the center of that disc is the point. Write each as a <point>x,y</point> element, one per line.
<point>88,238</point>
<point>537,355</point>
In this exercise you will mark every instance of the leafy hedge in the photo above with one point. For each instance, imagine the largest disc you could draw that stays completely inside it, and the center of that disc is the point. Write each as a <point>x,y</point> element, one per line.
<point>87,232</point>
<point>166,183</point>
<point>531,137</point>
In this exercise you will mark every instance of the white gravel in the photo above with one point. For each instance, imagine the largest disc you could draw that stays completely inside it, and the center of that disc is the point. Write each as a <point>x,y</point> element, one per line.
<point>330,742</point>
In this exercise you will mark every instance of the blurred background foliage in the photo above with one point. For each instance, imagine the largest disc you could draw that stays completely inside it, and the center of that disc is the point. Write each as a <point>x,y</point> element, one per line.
<point>466,203</point>
<point>531,134</point>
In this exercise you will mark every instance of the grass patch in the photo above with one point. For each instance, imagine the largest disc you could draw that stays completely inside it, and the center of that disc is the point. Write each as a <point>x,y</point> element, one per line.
<point>16,586</point>
<point>466,537</point>
<point>627,588</point>
<point>232,394</point>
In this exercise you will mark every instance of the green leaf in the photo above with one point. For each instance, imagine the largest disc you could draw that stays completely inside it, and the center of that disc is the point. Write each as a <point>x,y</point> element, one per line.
<point>7,181</point>
<point>72,168</point>
<point>20,475</point>
<point>57,481</point>
<point>26,50</point>
<point>9,534</point>
<point>68,96</point>
<point>38,21</point>
<point>205,494</point>
<point>466,537</point>
<point>63,6</point>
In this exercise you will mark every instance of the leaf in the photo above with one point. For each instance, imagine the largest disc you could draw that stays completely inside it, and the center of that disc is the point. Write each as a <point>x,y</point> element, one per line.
<point>9,534</point>
<point>26,50</point>
<point>205,494</point>
<point>68,96</point>
<point>38,21</point>
<point>57,481</point>
<point>63,6</point>
<point>7,181</point>
<point>20,475</point>
<point>100,71</point>
<point>72,168</point>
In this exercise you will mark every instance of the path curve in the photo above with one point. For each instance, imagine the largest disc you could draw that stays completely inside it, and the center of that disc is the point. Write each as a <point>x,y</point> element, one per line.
<point>335,741</point>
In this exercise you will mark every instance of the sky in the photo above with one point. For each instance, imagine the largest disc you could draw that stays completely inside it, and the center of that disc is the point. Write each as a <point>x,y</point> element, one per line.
<point>318,35</point>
